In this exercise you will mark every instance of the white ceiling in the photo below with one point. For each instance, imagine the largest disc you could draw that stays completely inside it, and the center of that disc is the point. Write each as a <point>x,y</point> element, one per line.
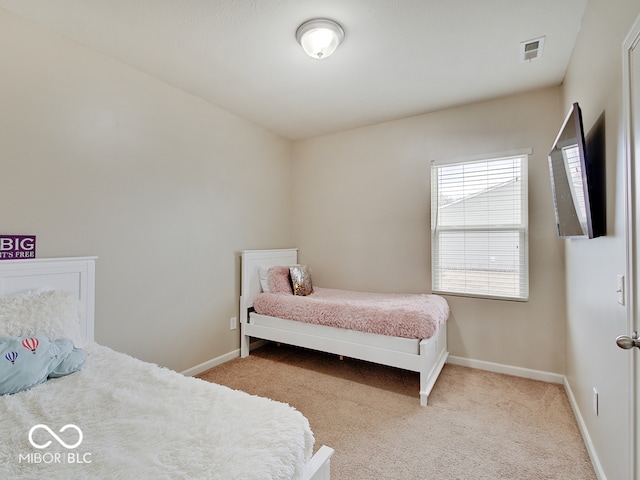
<point>399,57</point>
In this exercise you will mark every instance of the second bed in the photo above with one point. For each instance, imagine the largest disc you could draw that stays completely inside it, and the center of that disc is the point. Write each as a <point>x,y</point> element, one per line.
<point>403,331</point>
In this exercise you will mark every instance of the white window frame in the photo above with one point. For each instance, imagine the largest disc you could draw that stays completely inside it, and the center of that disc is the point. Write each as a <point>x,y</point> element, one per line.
<point>464,278</point>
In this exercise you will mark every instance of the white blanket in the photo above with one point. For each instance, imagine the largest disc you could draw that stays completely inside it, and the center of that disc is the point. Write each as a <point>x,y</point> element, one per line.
<point>136,421</point>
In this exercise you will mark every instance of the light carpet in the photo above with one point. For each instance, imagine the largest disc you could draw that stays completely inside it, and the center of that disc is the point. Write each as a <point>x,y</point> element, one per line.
<point>478,425</point>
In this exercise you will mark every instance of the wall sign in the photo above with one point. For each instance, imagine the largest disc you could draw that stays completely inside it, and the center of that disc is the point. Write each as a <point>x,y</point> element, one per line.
<point>16,247</point>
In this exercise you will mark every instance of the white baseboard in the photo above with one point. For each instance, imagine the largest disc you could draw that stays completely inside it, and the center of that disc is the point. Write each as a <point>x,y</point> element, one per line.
<point>591,449</point>
<point>507,369</point>
<point>214,362</point>
<point>465,362</point>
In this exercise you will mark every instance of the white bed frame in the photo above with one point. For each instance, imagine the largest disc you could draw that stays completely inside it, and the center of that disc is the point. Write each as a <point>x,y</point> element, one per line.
<point>77,275</point>
<point>426,356</point>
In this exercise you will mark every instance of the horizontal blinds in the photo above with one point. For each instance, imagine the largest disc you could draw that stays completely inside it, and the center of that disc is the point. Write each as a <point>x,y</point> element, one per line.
<point>479,227</point>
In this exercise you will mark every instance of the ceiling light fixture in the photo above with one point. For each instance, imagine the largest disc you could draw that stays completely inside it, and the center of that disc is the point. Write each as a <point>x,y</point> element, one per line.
<point>319,37</point>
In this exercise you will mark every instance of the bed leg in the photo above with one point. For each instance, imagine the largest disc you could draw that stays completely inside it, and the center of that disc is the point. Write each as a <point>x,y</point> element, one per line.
<point>245,340</point>
<point>319,467</point>
<point>341,357</point>
<point>245,343</point>
<point>429,373</point>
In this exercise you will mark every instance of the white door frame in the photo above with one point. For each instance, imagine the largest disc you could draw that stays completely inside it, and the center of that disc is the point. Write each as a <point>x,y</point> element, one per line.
<point>632,206</point>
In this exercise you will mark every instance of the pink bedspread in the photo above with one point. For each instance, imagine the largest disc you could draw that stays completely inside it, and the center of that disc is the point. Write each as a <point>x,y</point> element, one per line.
<point>394,314</point>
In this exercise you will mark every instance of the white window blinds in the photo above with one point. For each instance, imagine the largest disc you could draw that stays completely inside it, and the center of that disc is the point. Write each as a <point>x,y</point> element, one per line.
<point>479,237</point>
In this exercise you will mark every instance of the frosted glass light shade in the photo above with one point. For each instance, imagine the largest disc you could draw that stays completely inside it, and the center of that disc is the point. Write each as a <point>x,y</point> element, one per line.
<point>319,37</point>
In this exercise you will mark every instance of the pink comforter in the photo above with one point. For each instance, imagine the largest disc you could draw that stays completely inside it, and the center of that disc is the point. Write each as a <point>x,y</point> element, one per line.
<point>394,314</point>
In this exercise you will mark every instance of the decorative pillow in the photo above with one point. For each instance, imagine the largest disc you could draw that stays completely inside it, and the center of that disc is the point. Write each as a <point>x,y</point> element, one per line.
<point>53,313</point>
<point>28,361</point>
<point>263,272</point>
<point>301,279</point>
<point>279,280</point>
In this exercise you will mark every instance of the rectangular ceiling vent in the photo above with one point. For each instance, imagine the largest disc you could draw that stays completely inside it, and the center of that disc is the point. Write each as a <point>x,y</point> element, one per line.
<point>531,49</point>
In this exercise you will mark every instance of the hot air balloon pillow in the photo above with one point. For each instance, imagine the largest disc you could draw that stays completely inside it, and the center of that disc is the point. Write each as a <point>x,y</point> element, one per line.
<point>30,360</point>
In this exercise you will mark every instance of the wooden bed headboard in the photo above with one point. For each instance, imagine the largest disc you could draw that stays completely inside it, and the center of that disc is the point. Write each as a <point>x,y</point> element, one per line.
<point>73,274</point>
<point>252,260</point>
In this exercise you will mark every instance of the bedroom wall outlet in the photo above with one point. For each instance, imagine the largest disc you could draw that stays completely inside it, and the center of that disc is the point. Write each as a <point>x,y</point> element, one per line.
<point>595,401</point>
<point>233,323</point>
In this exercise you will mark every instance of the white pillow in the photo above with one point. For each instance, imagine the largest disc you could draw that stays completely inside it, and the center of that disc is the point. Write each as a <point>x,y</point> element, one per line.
<point>50,312</point>
<point>264,279</point>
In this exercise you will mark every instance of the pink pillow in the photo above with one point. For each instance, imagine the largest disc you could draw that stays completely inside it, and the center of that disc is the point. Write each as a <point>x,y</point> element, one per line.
<point>279,280</point>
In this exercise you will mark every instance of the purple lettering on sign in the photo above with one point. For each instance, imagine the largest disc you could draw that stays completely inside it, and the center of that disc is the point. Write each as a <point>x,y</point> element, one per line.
<point>17,247</point>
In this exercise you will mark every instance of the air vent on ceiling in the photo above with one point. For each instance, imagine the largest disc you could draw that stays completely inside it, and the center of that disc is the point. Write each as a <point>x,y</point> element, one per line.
<point>531,49</point>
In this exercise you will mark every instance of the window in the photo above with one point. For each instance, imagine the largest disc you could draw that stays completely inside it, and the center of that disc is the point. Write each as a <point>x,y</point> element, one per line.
<point>479,238</point>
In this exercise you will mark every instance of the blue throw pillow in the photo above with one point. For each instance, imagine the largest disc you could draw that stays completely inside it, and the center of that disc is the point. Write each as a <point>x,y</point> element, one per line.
<point>29,360</point>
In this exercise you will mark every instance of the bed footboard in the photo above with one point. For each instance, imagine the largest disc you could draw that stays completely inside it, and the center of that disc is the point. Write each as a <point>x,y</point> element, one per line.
<point>319,466</point>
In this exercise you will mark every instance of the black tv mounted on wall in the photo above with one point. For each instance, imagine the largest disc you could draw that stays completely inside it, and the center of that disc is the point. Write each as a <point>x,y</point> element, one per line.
<point>577,180</point>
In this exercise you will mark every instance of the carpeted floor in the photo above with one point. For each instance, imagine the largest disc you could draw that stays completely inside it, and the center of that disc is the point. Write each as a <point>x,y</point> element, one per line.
<point>478,425</point>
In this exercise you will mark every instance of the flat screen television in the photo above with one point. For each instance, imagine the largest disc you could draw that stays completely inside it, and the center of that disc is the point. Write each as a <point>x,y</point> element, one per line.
<point>577,181</point>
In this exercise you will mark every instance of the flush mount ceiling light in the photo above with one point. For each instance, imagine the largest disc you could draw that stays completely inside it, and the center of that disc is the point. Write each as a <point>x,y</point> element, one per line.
<point>319,37</point>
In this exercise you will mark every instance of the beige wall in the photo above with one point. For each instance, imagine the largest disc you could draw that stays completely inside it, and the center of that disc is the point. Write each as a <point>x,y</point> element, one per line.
<point>166,189</point>
<point>361,219</point>
<point>594,79</point>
